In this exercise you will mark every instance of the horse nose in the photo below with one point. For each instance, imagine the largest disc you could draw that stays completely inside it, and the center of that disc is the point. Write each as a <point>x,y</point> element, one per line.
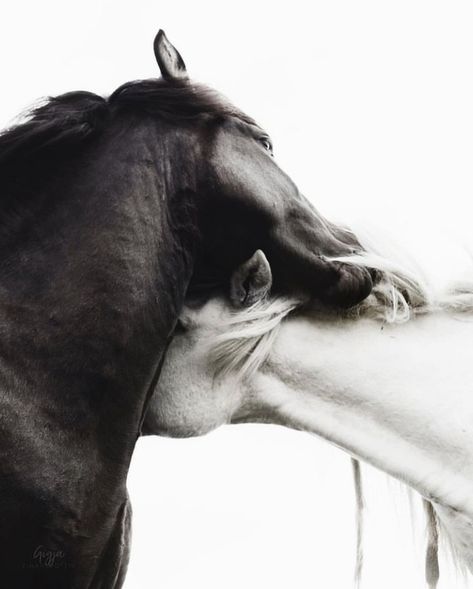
<point>376,275</point>
<point>353,285</point>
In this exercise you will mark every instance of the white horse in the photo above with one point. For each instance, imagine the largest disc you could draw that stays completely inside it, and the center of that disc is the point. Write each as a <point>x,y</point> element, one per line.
<point>389,382</point>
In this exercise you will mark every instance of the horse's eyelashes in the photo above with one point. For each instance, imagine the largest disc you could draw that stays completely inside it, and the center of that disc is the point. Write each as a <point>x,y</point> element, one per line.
<point>266,143</point>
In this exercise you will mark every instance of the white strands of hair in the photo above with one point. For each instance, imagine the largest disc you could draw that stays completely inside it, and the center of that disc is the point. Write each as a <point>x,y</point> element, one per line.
<point>432,552</point>
<point>450,550</point>
<point>458,298</point>
<point>404,288</point>
<point>359,509</point>
<point>248,337</point>
<point>397,296</point>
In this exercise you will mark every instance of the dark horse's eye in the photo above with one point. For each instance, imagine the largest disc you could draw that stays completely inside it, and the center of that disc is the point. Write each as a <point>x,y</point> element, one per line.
<point>266,143</point>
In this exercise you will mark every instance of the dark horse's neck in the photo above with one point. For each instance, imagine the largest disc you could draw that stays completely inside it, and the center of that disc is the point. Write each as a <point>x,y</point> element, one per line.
<point>93,271</point>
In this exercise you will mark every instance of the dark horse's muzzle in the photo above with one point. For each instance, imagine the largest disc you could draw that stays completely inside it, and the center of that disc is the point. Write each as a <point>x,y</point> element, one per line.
<point>351,284</point>
<point>309,265</point>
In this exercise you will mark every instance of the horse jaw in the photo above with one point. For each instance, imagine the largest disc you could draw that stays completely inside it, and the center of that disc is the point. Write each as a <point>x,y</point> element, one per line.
<point>189,401</point>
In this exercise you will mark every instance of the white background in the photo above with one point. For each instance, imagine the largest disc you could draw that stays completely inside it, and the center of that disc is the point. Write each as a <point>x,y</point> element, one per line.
<point>370,106</point>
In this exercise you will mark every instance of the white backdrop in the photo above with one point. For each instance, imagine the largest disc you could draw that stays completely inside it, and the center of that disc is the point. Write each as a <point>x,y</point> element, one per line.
<point>370,108</point>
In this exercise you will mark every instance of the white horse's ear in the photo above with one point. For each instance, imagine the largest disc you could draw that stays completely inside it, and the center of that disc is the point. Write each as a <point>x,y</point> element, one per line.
<point>170,62</point>
<point>252,281</point>
<point>187,318</point>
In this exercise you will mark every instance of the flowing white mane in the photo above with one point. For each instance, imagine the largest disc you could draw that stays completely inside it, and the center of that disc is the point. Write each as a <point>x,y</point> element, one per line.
<point>404,292</point>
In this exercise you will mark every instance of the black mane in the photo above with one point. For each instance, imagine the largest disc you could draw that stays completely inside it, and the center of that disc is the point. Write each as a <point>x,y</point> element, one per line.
<point>176,100</point>
<point>66,122</point>
<point>55,126</point>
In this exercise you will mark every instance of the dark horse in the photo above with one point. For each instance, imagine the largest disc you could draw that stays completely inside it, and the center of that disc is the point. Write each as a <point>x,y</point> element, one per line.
<point>112,212</point>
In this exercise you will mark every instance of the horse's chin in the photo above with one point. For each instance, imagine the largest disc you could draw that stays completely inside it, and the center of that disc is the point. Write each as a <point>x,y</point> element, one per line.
<point>354,284</point>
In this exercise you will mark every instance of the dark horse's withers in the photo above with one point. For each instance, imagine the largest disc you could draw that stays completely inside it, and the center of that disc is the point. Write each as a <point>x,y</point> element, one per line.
<point>112,211</point>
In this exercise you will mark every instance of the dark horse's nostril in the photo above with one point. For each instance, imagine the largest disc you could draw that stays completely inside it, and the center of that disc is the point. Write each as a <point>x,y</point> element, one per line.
<point>376,275</point>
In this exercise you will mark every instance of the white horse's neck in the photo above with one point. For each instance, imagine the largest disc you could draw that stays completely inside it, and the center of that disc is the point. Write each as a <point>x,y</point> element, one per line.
<point>398,397</point>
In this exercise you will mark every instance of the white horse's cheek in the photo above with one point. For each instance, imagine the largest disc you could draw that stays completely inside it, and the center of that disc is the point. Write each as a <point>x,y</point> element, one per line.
<point>192,404</point>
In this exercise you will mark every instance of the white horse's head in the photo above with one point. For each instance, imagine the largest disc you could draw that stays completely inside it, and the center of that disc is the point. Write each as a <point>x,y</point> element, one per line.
<point>194,395</point>
<point>396,396</point>
<point>221,348</point>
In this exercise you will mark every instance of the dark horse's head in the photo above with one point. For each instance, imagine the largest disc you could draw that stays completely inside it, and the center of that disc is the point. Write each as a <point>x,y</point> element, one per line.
<point>246,202</point>
<point>190,169</point>
<point>112,211</point>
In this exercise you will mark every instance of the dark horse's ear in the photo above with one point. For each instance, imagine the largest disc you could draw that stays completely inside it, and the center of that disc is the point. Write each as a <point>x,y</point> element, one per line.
<point>170,62</point>
<point>251,281</point>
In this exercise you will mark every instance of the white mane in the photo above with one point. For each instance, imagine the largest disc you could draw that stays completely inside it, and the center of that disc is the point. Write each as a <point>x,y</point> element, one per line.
<point>245,339</point>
